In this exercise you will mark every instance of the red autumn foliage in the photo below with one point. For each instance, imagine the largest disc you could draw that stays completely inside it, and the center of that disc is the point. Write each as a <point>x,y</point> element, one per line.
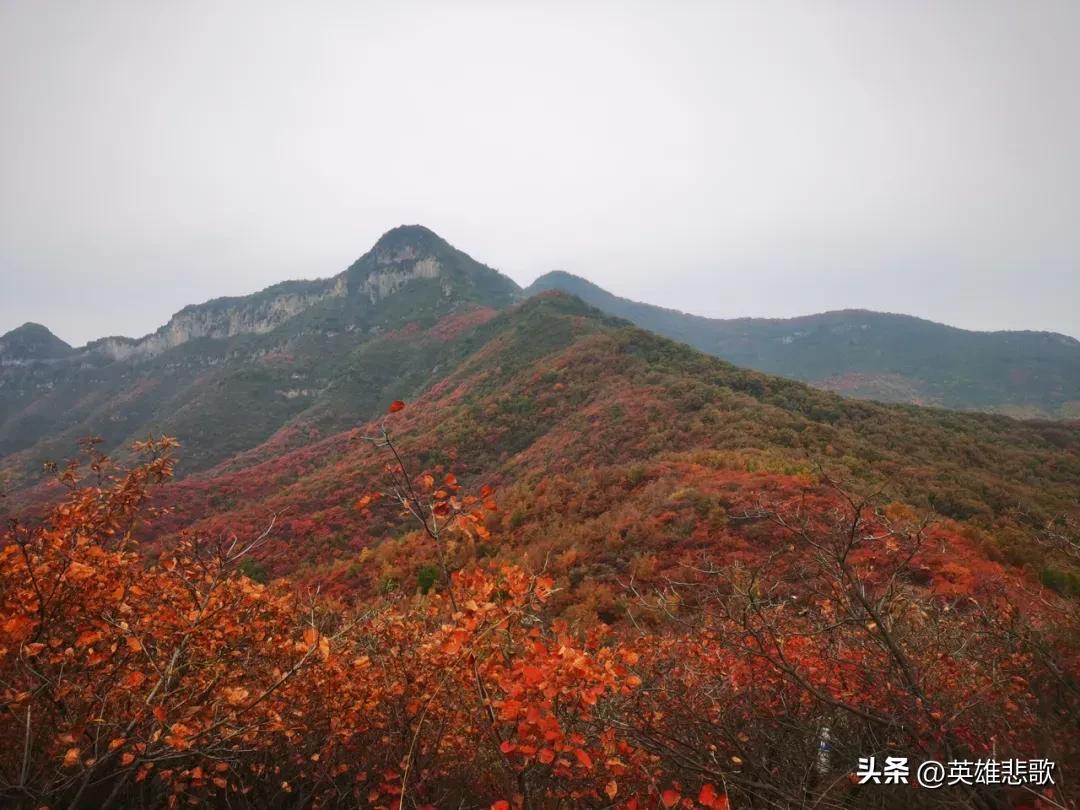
<point>129,680</point>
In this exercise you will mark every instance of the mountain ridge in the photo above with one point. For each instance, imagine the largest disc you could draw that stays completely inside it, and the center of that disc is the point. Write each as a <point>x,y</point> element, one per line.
<point>874,355</point>
<point>233,371</point>
<point>229,374</point>
<point>402,254</point>
<point>549,280</point>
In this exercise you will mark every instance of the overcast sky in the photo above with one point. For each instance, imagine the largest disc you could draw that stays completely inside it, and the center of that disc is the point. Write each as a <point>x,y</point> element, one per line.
<point>759,158</point>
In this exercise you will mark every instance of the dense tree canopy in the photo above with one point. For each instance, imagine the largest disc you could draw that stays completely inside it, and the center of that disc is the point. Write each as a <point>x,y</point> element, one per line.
<point>155,675</point>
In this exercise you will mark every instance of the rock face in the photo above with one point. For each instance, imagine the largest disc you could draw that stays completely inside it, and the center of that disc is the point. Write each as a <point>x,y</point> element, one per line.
<point>386,281</point>
<point>223,318</point>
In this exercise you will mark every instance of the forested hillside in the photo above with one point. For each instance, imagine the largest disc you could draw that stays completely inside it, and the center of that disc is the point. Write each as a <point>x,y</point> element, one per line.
<point>874,355</point>
<point>227,375</point>
<point>479,553</point>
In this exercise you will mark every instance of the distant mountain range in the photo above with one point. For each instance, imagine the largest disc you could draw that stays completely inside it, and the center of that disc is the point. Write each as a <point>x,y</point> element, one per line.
<point>874,355</point>
<point>305,358</point>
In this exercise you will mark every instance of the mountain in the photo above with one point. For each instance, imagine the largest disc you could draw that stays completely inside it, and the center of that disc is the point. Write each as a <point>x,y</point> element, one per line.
<point>611,445</point>
<point>874,355</point>
<point>667,575</point>
<point>29,342</point>
<point>226,375</point>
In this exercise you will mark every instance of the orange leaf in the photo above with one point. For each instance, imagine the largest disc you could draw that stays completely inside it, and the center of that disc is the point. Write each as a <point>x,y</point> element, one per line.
<point>177,742</point>
<point>501,804</point>
<point>133,679</point>
<point>612,789</point>
<point>71,758</point>
<point>87,638</point>
<point>235,695</point>
<point>127,758</point>
<point>311,635</point>
<point>396,405</point>
<point>583,758</point>
<point>546,755</point>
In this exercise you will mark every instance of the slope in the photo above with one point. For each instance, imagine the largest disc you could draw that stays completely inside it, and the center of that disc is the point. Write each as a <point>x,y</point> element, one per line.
<point>611,447</point>
<point>227,375</point>
<point>874,355</point>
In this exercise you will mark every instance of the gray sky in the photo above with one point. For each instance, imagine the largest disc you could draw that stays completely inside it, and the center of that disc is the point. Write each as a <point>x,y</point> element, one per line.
<point>759,158</point>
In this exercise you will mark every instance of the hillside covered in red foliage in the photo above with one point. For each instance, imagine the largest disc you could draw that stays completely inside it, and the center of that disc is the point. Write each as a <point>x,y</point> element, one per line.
<point>557,562</point>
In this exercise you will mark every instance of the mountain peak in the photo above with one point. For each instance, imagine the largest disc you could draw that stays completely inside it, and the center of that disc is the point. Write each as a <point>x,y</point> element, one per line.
<point>416,238</point>
<point>413,253</point>
<point>32,341</point>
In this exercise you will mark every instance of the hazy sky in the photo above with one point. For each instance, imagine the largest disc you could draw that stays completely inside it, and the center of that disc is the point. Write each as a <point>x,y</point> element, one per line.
<point>758,158</point>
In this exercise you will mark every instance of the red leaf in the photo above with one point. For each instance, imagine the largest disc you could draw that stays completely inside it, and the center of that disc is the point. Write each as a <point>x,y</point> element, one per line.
<point>583,758</point>
<point>396,405</point>
<point>670,797</point>
<point>133,679</point>
<point>501,804</point>
<point>708,797</point>
<point>532,675</point>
